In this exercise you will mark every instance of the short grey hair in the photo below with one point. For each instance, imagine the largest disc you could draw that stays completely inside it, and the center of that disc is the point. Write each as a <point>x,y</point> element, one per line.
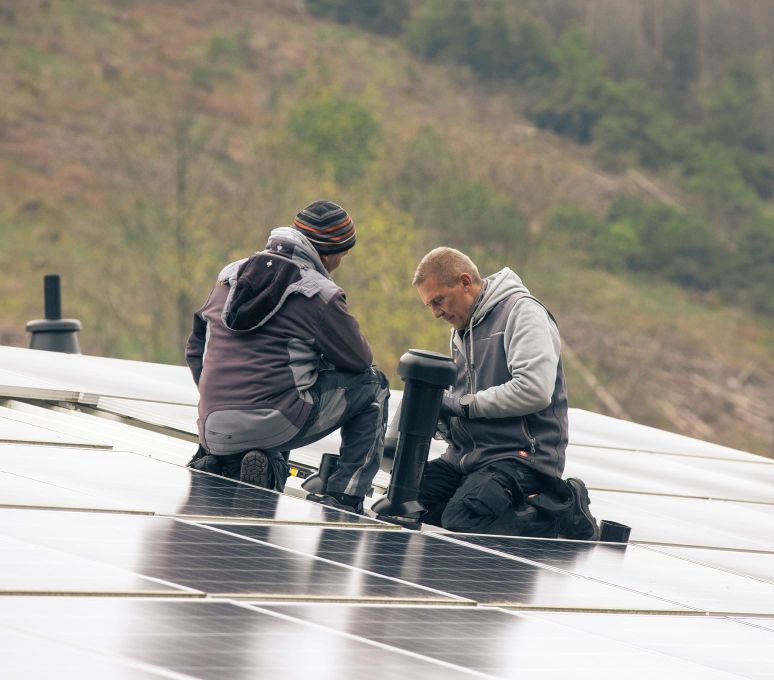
<point>445,265</point>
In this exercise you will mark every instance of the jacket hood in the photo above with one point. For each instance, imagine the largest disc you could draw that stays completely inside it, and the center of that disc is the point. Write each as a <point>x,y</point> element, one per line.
<point>498,287</point>
<point>259,285</point>
<point>293,244</point>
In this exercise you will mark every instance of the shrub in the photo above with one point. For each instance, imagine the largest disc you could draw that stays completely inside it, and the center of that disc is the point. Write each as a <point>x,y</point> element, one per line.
<point>578,97</point>
<point>662,240</point>
<point>386,18</point>
<point>337,133</point>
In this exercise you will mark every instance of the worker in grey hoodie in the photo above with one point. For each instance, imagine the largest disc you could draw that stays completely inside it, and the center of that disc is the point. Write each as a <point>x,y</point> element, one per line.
<point>505,418</point>
<point>280,363</point>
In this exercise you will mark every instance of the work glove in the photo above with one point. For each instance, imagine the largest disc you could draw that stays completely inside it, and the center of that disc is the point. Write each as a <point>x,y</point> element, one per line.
<point>455,406</point>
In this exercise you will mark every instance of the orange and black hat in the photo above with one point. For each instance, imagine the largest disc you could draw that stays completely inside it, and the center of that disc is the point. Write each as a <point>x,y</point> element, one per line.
<point>327,226</point>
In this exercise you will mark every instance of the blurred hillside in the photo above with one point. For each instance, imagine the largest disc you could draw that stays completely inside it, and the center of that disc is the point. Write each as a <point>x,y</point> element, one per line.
<point>144,144</point>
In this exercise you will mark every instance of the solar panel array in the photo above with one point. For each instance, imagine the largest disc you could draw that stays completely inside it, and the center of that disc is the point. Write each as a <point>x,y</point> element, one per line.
<point>118,561</point>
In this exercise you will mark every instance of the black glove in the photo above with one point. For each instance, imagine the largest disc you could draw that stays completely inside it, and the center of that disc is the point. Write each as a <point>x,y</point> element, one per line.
<point>455,406</point>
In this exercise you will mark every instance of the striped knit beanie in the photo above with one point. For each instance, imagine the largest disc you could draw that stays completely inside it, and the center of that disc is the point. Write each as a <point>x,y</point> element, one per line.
<point>327,226</point>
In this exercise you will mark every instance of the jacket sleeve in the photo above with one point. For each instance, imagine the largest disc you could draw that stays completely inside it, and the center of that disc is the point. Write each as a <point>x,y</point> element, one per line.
<point>194,349</point>
<point>532,348</point>
<point>339,337</point>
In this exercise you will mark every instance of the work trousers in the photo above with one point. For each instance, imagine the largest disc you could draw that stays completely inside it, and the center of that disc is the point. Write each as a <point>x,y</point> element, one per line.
<point>504,497</point>
<point>355,403</point>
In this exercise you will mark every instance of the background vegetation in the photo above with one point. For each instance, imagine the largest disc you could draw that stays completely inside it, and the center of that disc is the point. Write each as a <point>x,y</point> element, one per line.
<point>619,156</point>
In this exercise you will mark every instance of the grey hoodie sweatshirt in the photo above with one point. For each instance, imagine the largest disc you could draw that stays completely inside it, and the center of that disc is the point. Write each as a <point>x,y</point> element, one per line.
<point>508,358</point>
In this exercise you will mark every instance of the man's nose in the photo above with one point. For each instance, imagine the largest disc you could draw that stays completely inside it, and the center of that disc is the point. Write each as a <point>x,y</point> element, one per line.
<point>437,311</point>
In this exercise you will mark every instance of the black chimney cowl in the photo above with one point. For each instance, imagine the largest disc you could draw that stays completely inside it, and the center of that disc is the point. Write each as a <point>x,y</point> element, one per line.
<point>54,333</point>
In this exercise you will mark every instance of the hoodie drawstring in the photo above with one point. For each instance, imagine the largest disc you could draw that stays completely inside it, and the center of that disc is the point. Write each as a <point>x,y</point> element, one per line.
<point>472,358</point>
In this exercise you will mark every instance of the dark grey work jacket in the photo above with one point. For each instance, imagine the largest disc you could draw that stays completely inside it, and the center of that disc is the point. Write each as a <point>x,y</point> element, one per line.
<point>270,323</point>
<point>509,359</point>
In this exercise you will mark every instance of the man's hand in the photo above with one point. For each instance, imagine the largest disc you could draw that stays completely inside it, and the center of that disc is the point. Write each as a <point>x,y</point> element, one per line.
<point>456,406</point>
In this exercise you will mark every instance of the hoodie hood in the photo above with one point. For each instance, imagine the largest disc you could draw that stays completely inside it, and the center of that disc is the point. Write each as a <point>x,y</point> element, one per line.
<point>259,285</point>
<point>496,287</point>
<point>499,286</point>
<point>293,244</point>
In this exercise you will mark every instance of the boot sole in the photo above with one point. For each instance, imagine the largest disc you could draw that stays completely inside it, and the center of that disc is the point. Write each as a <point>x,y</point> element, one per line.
<point>331,502</point>
<point>583,502</point>
<point>255,469</point>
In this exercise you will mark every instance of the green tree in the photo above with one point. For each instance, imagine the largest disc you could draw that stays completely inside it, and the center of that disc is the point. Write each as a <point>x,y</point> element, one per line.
<point>663,240</point>
<point>719,187</point>
<point>578,97</point>
<point>634,129</point>
<point>508,49</point>
<point>337,133</point>
<point>441,29</point>
<point>736,113</point>
<point>747,274</point>
<point>386,18</point>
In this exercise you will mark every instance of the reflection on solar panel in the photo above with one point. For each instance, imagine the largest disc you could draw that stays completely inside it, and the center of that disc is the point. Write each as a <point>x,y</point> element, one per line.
<point>200,576</point>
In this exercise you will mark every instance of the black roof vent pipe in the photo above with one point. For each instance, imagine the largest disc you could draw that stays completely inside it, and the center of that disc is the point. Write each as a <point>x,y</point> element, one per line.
<point>426,375</point>
<point>54,333</point>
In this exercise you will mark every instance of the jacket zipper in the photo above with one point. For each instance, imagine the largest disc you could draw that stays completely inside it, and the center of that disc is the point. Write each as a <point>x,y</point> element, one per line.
<point>460,426</point>
<point>528,435</point>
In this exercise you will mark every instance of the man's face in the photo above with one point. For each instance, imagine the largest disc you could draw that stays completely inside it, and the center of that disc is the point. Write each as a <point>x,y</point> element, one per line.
<point>450,303</point>
<point>332,261</point>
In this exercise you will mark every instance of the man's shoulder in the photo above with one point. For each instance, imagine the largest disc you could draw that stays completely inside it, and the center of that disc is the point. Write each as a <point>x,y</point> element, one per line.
<point>513,303</point>
<point>519,301</point>
<point>321,285</point>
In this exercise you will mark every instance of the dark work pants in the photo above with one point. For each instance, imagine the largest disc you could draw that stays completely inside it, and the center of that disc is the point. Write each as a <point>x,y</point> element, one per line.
<point>495,499</point>
<point>355,403</point>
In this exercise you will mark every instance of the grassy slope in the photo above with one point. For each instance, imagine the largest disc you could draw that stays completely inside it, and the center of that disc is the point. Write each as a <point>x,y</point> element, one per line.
<point>69,67</point>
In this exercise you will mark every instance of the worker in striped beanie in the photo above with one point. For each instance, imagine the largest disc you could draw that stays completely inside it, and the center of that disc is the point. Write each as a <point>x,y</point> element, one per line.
<point>280,362</point>
<point>327,226</point>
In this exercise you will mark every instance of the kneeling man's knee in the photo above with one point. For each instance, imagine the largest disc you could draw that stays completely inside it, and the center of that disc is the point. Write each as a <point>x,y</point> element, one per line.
<point>481,499</point>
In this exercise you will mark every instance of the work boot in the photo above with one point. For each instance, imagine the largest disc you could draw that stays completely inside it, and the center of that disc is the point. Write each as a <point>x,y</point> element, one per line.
<point>582,525</point>
<point>204,462</point>
<point>340,501</point>
<point>255,469</point>
<point>231,465</point>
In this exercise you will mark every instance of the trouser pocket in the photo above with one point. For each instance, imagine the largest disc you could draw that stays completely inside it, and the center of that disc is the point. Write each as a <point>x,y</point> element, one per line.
<point>490,493</point>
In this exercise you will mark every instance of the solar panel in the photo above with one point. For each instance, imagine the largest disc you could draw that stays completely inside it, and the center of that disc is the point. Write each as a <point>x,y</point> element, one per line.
<point>110,480</point>
<point>706,644</point>
<point>110,432</point>
<point>32,568</point>
<point>95,501</point>
<point>203,640</point>
<point>511,645</point>
<point>20,491</point>
<point>759,622</point>
<point>757,565</point>
<point>204,559</point>
<point>667,474</point>
<point>688,521</point>
<point>22,658</point>
<point>595,429</point>
<point>16,426</point>
<point>172,417</point>
<point>645,571</point>
<point>455,568</point>
<point>39,374</point>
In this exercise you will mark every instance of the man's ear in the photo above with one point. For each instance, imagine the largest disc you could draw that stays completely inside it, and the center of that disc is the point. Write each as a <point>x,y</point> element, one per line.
<point>466,280</point>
